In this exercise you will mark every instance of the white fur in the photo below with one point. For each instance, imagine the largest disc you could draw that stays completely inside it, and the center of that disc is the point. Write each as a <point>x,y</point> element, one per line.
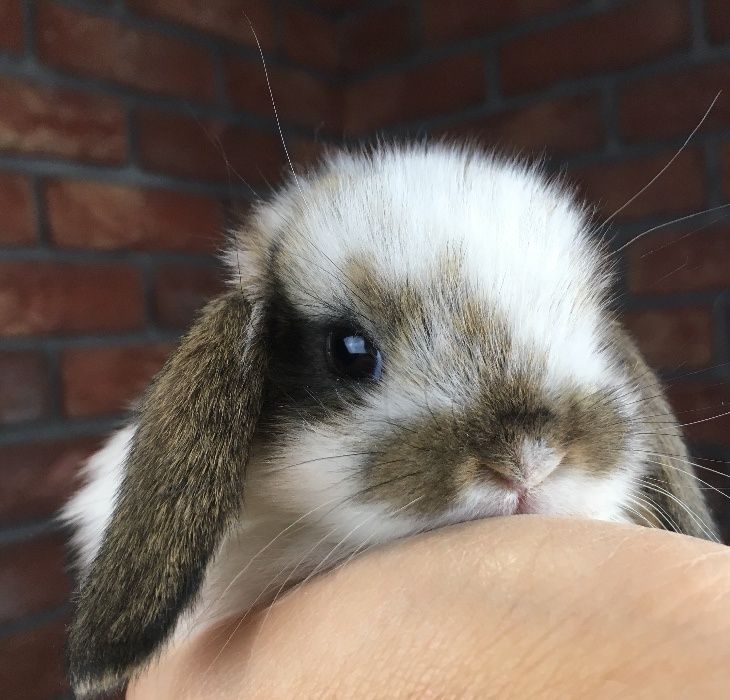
<point>91,507</point>
<point>527,253</point>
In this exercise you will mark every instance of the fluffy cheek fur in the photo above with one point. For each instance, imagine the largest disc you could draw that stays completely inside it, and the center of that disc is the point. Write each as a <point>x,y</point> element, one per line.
<point>317,475</point>
<point>339,475</point>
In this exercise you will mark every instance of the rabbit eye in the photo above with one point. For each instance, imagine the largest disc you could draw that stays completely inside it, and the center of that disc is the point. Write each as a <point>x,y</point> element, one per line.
<point>352,355</point>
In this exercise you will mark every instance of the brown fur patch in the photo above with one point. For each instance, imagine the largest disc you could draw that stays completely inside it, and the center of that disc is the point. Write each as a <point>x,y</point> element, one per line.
<point>438,456</point>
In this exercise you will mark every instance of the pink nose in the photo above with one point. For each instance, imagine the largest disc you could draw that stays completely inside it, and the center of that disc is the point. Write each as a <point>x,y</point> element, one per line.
<point>535,461</point>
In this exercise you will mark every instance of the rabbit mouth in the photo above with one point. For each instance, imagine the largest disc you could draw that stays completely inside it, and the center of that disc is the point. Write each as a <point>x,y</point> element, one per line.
<point>524,503</point>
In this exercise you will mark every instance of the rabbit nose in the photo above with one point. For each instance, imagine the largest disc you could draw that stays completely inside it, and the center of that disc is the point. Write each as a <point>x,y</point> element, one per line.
<point>533,461</point>
<point>538,459</point>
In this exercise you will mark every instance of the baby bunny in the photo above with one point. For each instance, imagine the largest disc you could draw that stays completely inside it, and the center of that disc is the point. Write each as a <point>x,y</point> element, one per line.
<point>412,337</point>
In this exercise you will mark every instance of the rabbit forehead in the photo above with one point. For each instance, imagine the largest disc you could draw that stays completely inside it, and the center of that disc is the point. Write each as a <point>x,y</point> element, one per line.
<point>464,232</point>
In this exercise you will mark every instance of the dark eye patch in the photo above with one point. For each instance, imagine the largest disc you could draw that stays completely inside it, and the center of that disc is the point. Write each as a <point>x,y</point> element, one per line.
<point>303,382</point>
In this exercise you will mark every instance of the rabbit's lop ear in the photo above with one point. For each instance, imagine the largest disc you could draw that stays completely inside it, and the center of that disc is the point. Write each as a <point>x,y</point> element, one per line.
<point>670,494</point>
<point>183,484</point>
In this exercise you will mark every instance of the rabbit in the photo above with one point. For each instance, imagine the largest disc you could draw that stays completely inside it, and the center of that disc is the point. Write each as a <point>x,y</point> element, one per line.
<point>411,336</point>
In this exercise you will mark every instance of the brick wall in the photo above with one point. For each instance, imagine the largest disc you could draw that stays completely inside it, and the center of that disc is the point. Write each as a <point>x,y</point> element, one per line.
<point>131,132</point>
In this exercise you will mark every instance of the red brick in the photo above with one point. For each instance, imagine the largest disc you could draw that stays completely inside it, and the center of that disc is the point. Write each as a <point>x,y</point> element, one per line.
<point>300,97</point>
<point>211,150</point>
<point>688,261</point>
<point>23,386</point>
<point>700,400</point>
<point>70,124</point>
<point>627,35</point>
<point>107,380</point>
<point>17,223</point>
<point>652,109</point>
<point>673,338</point>
<point>45,297</point>
<point>561,125</point>
<point>225,18</point>
<point>110,217</point>
<point>717,19</point>
<point>31,663</point>
<point>310,39</point>
<point>444,21</point>
<point>180,290</point>
<point>375,38</point>
<point>105,48</point>
<point>39,477</point>
<point>415,93</point>
<point>32,577</point>
<point>11,25</point>
<point>679,189</point>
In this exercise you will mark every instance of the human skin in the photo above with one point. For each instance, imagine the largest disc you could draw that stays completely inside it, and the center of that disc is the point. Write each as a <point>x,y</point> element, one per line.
<point>516,607</point>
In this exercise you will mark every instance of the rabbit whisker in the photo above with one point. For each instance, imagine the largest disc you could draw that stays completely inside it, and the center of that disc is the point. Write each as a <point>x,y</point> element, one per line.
<point>668,165</point>
<point>653,486</point>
